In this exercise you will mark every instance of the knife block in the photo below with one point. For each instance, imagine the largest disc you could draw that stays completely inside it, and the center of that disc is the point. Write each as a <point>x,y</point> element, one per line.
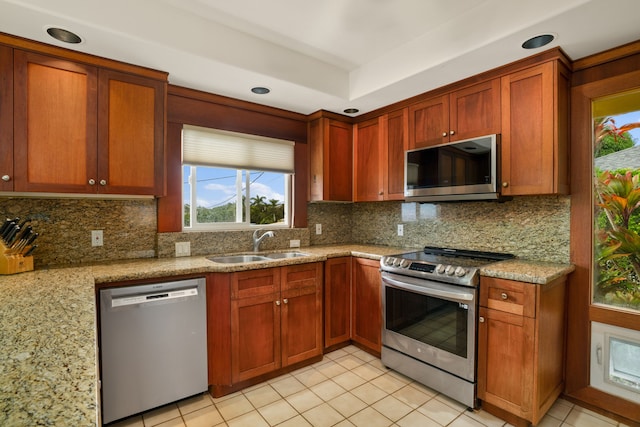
<point>14,263</point>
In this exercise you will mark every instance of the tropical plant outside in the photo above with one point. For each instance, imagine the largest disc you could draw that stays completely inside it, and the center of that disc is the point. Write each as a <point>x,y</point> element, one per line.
<point>262,212</point>
<point>617,228</point>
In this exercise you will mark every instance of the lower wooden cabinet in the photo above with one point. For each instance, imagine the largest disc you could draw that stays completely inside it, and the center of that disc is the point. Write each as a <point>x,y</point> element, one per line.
<point>366,311</point>
<point>337,301</point>
<point>520,348</point>
<point>262,320</point>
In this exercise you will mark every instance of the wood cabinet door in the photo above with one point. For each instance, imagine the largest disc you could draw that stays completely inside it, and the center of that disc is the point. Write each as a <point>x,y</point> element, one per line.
<point>475,111</point>
<point>368,163</point>
<point>533,157</point>
<point>429,122</point>
<point>397,128</point>
<point>366,309</point>
<point>330,160</point>
<point>131,134</point>
<point>337,301</point>
<point>55,110</point>
<point>255,336</point>
<point>505,361</point>
<point>301,306</point>
<point>6,119</point>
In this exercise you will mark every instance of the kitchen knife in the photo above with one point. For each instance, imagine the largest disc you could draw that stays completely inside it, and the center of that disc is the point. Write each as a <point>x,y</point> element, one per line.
<point>7,232</point>
<point>12,235</point>
<point>30,251</point>
<point>4,226</point>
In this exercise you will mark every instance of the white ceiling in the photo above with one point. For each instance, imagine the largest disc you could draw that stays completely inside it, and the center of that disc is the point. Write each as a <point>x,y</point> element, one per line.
<point>324,54</point>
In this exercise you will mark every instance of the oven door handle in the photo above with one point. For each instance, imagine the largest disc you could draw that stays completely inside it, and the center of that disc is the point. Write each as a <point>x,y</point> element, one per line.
<point>451,296</point>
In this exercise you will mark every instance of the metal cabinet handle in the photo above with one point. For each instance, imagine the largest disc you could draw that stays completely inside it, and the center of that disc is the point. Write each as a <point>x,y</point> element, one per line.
<point>278,302</point>
<point>481,319</point>
<point>453,132</point>
<point>505,184</point>
<point>92,182</point>
<point>504,296</point>
<point>444,134</point>
<point>6,178</point>
<point>286,301</point>
<point>103,182</point>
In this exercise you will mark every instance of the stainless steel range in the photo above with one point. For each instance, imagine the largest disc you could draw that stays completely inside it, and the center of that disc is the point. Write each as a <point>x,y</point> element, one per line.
<point>429,307</point>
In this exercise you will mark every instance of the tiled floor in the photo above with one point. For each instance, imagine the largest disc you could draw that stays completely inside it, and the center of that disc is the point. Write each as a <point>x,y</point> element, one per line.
<point>348,387</point>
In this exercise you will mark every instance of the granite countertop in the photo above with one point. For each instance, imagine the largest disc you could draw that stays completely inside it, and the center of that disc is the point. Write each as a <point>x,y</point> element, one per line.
<point>48,334</point>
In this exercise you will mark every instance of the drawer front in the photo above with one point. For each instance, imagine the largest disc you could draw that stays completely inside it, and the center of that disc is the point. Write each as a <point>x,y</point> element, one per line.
<point>508,296</point>
<point>252,283</point>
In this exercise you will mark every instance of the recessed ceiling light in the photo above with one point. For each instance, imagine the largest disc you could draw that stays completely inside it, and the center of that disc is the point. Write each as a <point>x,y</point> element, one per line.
<point>538,41</point>
<point>64,35</point>
<point>260,90</point>
<point>351,110</point>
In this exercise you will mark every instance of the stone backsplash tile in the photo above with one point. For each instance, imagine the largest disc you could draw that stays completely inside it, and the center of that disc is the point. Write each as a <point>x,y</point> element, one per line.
<point>64,227</point>
<point>336,220</point>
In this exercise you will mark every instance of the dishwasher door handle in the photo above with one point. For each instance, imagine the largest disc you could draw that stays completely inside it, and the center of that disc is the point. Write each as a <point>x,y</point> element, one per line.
<point>126,300</point>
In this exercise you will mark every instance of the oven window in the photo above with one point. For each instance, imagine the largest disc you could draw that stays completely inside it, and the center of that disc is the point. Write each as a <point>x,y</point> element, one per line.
<point>433,321</point>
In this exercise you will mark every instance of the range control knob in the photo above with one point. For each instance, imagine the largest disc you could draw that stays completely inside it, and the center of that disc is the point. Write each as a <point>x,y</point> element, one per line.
<point>450,270</point>
<point>440,269</point>
<point>459,271</point>
<point>405,263</point>
<point>389,261</point>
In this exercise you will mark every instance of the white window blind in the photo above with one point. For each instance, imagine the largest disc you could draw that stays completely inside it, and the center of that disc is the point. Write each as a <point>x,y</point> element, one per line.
<point>212,147</point>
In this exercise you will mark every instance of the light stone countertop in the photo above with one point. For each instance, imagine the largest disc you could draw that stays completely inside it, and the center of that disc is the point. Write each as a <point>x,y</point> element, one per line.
<point>48,334</point>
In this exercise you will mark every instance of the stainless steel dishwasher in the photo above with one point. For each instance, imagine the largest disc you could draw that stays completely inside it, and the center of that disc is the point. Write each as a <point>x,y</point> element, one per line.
<point>153,345</point>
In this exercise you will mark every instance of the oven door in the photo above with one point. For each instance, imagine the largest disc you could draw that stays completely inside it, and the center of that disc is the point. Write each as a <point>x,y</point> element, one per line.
<point>431,321</point>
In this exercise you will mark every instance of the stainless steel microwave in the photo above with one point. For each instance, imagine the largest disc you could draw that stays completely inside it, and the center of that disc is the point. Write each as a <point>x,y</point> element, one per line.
<point>461,170</point>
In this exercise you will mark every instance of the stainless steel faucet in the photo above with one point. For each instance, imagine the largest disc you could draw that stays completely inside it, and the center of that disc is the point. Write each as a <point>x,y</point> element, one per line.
<point>257,240</point>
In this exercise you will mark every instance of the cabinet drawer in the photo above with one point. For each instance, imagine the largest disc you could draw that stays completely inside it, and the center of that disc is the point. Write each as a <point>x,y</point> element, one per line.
<point>508,296</point>
<point>254,283</point>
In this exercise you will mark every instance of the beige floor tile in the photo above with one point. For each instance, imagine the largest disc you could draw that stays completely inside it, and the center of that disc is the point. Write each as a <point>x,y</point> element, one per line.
<point>416,419</point>
<point>580,417</point>
<point>361,354</point>
<point>322,416</point>
<point>411,396</point>
<point>388,382</point>
<point>297,421</point>
<point>262,396</point>
<point>341,352</point>
<point>215,400</point>
<point>369,417</point>
<point>368,393</point>
<point>347,404</point>
<point>327,390</point>
<point>287,386</point>
<point>160,415</point>
<point>485,418</point>
<point>423,388</point>
<point>438,411</point>
<point>453,403</point>
<point>392,408</point>
<point>367,371</point>
<point>304,400</point>
<point>331,369</point>
<point>348,380</point>
<point>135,421</point>
<point>250,419</point>
<point>234,407</point>
<point>194,403</point>
<point>277,412</point>
<point>205,417</point>
<point>345,423</point>
<point>377,363</point>
<point>350,361</point>
<point>549,421</point>
<point>560,409</point>
<point>465,421</point>
<point>310,377</point>
<point>176,422</point>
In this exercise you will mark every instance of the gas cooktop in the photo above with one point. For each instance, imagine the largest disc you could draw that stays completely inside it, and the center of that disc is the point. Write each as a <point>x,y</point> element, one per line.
<point>457,266</point>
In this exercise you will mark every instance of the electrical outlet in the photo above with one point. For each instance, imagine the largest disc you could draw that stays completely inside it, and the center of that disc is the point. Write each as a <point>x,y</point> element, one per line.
<point>183,249</point>
<point>400,229</point>
<point>96,238</point>
<point>294,243</point>
<point>318,228</point>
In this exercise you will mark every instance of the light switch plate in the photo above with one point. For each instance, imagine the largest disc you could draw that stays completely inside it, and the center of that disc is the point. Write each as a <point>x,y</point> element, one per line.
<point>96,238</point>
<point>318,228</point>
<point>400,229</point>
<point>294,243</point>
<point>183,249</point>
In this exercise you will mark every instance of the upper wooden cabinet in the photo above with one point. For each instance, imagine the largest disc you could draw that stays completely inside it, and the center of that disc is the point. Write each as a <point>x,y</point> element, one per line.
<point>79,128</point>
<point>466,113</point>
<point>379,146</point>
<point>330,160</point>
<point>6,119</point>
<point>535,122</point>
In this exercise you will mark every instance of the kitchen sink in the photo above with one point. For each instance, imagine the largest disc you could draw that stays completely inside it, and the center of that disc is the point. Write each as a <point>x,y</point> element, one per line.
<point>279,255</point>
<point>237,259</point>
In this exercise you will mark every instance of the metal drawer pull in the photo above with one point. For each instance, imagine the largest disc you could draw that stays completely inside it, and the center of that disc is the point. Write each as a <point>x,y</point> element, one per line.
<point>92,182</point>
<point>481,319</point>
<point>286,301</point>
<point>504,296</point>
<point>278,302</point>
<point>6,178</point>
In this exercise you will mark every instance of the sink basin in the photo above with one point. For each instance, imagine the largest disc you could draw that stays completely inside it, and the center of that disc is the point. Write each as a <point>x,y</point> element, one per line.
<point>237,259</point>
<point>279,255</point>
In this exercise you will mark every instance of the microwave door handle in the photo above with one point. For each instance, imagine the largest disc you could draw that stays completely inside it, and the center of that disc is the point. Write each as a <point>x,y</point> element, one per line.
<point>451,296</point>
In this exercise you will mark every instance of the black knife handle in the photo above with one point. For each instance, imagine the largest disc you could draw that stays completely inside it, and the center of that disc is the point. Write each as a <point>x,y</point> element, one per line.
<point>30,251</point>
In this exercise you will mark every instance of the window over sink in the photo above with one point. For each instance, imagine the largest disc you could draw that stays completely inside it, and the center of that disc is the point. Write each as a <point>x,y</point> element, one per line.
<point>235,181</point>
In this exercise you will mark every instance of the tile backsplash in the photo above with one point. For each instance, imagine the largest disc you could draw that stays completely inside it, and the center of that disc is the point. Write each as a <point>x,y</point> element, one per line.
<point>534,228</point>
